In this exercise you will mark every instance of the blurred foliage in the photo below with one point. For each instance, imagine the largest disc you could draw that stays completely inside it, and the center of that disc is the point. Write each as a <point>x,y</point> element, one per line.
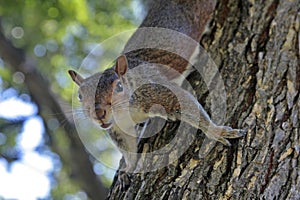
<point>58,35</point>
<point>9,131</point>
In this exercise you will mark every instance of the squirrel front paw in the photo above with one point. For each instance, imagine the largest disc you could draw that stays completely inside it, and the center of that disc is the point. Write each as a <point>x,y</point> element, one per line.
<point>219,133</point>
<point>124,180</point>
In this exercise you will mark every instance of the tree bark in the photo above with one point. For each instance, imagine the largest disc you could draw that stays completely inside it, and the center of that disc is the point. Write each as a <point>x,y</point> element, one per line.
<point>78,160</point>
<point>256,47</point>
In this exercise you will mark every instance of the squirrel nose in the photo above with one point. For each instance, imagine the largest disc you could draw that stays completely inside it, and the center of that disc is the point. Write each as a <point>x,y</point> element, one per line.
<point>100,113</point>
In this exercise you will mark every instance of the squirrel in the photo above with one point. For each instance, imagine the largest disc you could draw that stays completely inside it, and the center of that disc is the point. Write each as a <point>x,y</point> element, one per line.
<point>107,97</point>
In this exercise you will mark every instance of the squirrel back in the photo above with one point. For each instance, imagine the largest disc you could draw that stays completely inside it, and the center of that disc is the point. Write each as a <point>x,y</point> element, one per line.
<point>185,16</point>
<point>166,32</point>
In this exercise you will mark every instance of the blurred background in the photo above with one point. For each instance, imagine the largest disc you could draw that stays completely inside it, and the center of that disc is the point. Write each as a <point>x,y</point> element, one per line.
<point>41,153</point>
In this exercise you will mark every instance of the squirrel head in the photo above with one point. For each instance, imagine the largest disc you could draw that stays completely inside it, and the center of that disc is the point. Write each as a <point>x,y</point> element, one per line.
<point>97,91</point>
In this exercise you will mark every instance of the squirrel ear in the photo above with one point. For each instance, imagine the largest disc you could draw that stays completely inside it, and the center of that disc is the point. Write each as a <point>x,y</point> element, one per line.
<point>121,65</point>
<point>76,77</point>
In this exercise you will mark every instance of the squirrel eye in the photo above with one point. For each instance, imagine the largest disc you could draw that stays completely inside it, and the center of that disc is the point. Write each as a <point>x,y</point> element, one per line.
<point>80,97</point>
<point>119,87</point>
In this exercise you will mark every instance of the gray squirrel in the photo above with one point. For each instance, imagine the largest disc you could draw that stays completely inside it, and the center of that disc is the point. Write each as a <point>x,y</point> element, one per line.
<point>107,97</point>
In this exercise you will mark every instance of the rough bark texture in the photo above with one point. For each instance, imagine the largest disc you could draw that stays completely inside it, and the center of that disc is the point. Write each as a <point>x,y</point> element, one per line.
<point>256,47</point>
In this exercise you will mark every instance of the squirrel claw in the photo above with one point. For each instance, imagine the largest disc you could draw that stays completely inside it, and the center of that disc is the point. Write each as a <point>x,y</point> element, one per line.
<point>233,133</point>
<point>219,133</point>
<point>124,181</point>
<point>224,141</point>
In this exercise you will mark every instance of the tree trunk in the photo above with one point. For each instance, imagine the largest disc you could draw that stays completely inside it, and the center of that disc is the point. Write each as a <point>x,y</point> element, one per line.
<point>256,47</point>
